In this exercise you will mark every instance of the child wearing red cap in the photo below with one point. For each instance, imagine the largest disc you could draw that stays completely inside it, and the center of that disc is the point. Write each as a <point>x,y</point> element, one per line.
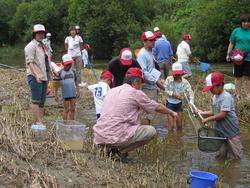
<point>70,88</point>
<point>100,90</point>
<point>175,88</point>
<point>224,115</point>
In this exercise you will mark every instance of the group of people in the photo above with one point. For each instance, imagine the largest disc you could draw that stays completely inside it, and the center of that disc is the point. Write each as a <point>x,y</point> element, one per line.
<point>127,91</point>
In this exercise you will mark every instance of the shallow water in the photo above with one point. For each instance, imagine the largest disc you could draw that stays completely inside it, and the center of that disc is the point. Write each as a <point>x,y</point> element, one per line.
<point>179,149</point>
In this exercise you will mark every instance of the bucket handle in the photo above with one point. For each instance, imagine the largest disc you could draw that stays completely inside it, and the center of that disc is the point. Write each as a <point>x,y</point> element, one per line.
<point>189,180</point>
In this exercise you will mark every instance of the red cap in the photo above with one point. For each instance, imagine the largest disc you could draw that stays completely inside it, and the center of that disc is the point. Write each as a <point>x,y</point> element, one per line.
<point>212,80</point>
<point>126,56</point>
<point>147,35</point>
<point>186,37</point>
<point>157,34</point>
<point>136,72</point>
<point>67,59</point>
<point>86,46</point>
<point>107,74</point>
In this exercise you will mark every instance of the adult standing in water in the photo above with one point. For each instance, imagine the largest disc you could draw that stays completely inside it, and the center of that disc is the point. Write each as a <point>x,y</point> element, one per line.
<point>73,46</point>
<point>240,40</point>
<point>37,68</point>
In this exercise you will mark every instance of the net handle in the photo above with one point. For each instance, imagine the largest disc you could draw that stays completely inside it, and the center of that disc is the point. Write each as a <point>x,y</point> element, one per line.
<point>214,138</point>
<point>194,108</point>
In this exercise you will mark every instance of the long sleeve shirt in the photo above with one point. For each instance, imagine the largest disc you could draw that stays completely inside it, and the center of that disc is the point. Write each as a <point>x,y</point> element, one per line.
<point>182,87</point>
<point>146,61</point>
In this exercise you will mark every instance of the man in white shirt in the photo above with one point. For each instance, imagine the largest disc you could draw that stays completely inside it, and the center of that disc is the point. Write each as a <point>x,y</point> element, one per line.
<point>184,54</point>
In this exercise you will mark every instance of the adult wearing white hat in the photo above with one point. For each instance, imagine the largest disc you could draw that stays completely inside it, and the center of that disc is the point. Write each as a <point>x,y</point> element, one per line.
<point>37,68</point>
<point>47,43</point>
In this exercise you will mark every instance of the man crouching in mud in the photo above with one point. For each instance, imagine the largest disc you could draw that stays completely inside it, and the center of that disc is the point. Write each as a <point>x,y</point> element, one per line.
<point>119,127</point>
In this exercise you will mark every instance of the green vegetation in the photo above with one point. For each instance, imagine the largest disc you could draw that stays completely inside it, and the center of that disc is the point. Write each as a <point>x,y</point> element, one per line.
<point>110,25</point>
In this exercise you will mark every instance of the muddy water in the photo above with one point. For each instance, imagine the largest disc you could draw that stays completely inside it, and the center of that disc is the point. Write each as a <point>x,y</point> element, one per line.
<point>180,150</point>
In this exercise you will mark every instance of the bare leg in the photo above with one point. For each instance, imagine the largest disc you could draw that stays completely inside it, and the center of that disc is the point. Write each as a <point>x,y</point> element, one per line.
<point>72,109</point>
<point>179,121</point>
<point>36,112</point>
<point>238,81</point>
<point>66,109</point>
<point>170,122</point>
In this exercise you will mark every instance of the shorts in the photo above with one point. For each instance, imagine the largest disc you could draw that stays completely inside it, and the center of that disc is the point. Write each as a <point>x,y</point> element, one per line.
<point>142,133</point>
<point>38,90</point>
<point>152,94</point>
<point>186,68</point>
<point>175,107</point>
<point>69,98</point>
<point>242,70</point>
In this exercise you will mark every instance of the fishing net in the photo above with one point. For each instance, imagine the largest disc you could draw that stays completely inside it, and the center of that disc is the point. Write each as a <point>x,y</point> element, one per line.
<point>210,139</point>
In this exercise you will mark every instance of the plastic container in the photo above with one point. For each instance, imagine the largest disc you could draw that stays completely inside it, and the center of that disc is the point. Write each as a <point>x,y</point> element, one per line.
<point>202,179</point>
<point>39,131</point>
<point>204,67</point>
<point>72,133</point>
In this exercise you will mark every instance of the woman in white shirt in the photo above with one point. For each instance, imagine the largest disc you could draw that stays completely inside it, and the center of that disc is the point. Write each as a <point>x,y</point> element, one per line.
<point>73,46</point>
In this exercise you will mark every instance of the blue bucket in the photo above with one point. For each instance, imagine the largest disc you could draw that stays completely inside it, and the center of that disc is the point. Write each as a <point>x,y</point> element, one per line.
<point>202,179</point>
<point>204,67</point>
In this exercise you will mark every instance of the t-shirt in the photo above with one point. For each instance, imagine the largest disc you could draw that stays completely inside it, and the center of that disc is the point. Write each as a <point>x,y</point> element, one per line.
<point>240,38</point>
<point>99,92</point>
<point>118,70</point>
<point>68,83</point>
<point>74,45</point>
<point>146,60</point>
<point>230,124</point>
<point>183,52</point>
<point>85,57</point>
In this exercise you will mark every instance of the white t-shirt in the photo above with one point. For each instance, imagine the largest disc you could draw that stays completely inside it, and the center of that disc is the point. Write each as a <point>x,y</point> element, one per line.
<point>74,45</point>
<point>99,92</point>
<point>85,57</point>
<point>183,52</point>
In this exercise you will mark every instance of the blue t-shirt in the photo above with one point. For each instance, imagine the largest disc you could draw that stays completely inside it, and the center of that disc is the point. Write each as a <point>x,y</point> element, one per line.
<point>230,124</point>
<point>68,83</point>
